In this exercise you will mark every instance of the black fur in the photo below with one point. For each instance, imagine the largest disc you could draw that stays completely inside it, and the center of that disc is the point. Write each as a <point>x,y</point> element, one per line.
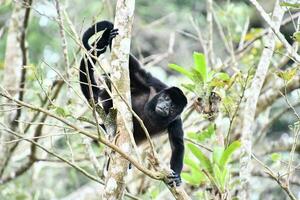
<point>145,92</point>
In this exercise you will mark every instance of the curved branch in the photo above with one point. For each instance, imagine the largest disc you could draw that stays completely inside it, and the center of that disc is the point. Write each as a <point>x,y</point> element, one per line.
<point>154,175</point>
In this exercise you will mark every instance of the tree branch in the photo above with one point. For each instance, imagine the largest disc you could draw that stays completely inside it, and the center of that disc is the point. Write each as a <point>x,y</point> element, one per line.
<point>251,102</point>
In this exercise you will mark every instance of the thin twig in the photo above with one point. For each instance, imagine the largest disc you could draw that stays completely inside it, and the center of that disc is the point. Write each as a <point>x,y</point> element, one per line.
<point>263,130</point>
<point>296,131</point>
<point>154,175</point>
<point>209,19</point>
<point>276,31</point>
<point>199,145</point>
<point>244,33</point>
<point>36,137</point>
<point>221,31</point>
<point>53,154</point>
<point>63,37</point>
<point>232,118</point>
<point>274,177</point>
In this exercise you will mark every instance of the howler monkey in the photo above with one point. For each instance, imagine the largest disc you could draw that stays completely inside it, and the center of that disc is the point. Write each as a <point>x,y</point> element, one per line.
<point>158,105</point>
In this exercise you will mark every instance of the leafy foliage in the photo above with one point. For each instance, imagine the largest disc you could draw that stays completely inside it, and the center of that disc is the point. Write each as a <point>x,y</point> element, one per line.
<point>206,134</point>
<point>204,81</point>
<point>287,75</point>
<point>201,76</point>
<point>215,170</point>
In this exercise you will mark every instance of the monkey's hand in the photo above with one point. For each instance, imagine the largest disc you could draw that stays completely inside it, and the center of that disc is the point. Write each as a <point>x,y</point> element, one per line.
<point>113,33</point>
<point>106,39</point>
<point>173,179</point>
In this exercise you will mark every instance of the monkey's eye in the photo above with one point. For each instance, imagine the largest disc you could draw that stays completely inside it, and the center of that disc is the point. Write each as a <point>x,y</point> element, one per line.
<point>167,98</point>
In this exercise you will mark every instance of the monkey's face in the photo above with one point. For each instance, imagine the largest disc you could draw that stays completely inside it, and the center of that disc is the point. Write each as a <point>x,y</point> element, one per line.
<point>164,106</point>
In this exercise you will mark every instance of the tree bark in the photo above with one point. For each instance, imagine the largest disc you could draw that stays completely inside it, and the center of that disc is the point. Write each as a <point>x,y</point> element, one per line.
<point>251,103</point>
<point>118,166</point>
<point>14,75</point>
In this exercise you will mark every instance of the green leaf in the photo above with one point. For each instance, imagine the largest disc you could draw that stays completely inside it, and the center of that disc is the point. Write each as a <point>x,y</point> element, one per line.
<point>296,36</point>
<point>217,154</point>
<point>222,76</point>
<point>254,32</point>
<point>190,87</point>
<point>192,135</point>
<point>224,178</point>
<point>207,133</point>
<point>191,163</point>
<point>275,157</point>
<point>181,70</point>
<point>217,175</point>
<point>287,75</point>
<point>61,112</point>
<point>200,65</point>
<point>196,176</point>
<point>228,152</point>
<point>217,83</point>
<point>221,176</point>
<point>210,75</point>
<point>190,179</point>
<point>197,77</point>
<point>199,175</point>
<point>292,5</point>
<point>204,161</point>
<point>220,80</point>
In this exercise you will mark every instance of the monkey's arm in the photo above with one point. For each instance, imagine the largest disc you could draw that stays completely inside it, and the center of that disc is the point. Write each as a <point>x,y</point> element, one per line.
<point>176,136</point>
<point>140,77</point>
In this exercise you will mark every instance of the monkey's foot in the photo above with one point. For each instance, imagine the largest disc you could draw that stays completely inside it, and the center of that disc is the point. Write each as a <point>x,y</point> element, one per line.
<point>173,179</point>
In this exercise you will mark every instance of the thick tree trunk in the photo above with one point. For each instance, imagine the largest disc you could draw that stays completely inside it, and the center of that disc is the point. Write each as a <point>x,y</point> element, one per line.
<point>115,183</point>
<point>13,63</point>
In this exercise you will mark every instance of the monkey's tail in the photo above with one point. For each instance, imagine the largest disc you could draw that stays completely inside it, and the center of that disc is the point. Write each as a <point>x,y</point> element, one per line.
<point>99,26</point>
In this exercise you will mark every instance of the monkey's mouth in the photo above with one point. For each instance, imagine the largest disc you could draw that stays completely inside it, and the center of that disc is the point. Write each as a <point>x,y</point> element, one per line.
<point>161,112</point>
